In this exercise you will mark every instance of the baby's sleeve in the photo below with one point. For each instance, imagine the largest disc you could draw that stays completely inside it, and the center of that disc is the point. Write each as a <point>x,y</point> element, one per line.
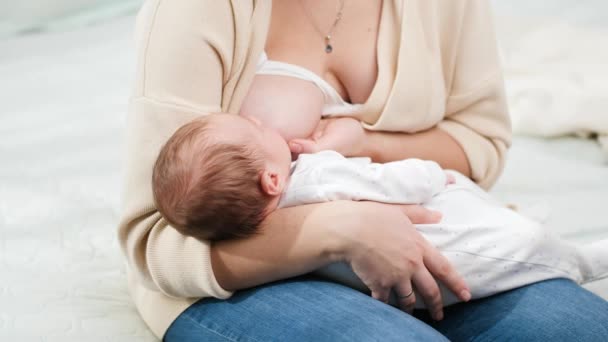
<point>410,181</point>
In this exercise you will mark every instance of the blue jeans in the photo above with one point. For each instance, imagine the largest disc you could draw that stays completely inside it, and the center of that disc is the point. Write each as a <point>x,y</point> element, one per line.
<point>309,309</point>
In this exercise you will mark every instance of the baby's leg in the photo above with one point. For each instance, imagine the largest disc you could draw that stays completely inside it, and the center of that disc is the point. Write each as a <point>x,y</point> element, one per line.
<point>494,248</point>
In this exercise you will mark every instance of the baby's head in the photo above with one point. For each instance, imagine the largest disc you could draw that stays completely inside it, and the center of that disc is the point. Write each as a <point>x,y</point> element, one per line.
<point>219,176</point>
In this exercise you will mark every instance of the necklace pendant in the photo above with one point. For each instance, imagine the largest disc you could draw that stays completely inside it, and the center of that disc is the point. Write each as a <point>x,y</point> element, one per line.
<point>328,47</point>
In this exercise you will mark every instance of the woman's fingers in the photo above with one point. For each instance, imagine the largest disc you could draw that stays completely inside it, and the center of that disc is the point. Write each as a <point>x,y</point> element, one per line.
<point>440,268</point>
<point>420,215</point>
<point>381,294</point>
<point>387,253</point>
<point>429,291</point>
<point>406,298</point>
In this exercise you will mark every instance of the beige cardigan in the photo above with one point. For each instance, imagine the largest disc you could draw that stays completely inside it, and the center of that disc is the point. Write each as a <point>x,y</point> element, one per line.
<point>438,65</point>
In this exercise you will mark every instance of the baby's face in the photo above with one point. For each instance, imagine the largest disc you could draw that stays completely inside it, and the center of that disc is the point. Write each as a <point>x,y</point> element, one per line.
<point>249,131</point>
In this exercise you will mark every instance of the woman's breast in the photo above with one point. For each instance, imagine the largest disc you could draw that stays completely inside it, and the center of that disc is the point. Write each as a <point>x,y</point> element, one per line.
<point>291,106</point>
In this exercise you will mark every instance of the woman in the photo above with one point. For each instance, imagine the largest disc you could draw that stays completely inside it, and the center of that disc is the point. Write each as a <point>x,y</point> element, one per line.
<point>427,78</point>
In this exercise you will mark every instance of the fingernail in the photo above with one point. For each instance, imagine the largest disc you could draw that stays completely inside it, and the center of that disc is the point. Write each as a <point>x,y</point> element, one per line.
<point>438,316</point>
<point>465,295</point>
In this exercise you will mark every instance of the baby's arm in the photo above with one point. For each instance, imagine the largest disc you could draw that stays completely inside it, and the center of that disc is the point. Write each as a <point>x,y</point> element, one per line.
<point>409,181</point>
<point>327,176</point>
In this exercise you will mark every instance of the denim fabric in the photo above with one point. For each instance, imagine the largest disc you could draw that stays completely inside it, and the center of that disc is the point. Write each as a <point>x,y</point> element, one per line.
<point>553,310</point>
<point>308,309</point>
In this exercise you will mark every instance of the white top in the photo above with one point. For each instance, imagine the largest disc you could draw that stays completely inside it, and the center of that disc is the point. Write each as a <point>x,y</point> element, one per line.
<point>329,176</point>
<point>334,103</point>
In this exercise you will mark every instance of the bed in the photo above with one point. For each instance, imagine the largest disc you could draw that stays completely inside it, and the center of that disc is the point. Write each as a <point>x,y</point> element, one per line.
<point>62,118</point>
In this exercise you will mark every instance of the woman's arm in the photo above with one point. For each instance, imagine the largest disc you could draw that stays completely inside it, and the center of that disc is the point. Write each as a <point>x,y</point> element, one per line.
<point>291,242</point>
<point>477,114</point>
<point>184,51</point>
<point>475,133</point>
<point>385,147</point>
<point>347,136</point>
<point>377,240</point>
<point>473,138</point>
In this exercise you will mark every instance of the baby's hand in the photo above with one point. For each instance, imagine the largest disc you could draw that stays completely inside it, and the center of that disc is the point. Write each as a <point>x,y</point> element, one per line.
<point>450,179</point>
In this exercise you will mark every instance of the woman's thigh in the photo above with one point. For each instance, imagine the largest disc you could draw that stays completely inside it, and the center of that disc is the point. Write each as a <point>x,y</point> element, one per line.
<point>552,310</point>
<point>303,309</point>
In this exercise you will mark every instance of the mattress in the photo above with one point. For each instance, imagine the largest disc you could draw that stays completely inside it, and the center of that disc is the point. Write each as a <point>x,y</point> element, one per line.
<point>62,119</point>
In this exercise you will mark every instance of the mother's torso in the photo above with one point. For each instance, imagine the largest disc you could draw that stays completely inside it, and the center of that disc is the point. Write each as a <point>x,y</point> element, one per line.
<point>296,36</point>
<point>401,69</point>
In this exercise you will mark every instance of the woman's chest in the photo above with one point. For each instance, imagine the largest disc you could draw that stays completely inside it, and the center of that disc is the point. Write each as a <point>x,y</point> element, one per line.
<point>299,31</point>
<point>383,56</point>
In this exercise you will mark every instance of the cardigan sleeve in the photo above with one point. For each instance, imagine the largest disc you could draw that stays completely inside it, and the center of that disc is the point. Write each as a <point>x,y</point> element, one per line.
<point>183,52</point>
<point>476,110</point>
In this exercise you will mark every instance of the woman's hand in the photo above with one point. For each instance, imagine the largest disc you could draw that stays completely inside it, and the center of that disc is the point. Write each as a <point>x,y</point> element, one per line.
<point>387,253</point>
<point>343,135</point>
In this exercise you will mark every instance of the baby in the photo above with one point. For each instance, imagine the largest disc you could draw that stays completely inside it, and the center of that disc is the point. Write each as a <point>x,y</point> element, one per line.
<point>220,175</point>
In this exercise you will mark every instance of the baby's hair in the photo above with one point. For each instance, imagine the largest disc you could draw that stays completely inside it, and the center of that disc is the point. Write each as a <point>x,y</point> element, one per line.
<point>206,188</point>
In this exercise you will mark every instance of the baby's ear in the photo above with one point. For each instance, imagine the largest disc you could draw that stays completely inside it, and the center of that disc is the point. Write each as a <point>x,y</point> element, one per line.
<point>271,183</point>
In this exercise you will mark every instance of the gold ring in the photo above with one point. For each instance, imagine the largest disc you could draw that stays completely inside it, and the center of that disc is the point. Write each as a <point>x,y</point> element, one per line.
<point>407,295</point>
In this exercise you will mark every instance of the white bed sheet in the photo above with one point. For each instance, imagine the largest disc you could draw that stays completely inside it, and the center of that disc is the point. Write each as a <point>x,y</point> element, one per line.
<point>62,113</point>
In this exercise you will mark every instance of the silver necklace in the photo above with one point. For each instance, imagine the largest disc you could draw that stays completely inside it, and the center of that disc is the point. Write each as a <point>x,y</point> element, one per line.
<point>326,36</point>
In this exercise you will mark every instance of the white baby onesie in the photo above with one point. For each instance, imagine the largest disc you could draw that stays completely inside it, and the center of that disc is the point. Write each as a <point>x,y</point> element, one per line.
<point>494,248</point>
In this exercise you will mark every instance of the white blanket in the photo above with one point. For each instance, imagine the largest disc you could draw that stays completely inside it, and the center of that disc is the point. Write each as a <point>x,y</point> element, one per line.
<point>555,56</point>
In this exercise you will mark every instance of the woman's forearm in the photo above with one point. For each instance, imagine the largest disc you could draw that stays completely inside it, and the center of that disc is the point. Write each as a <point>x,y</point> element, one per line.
<point>377,240</point>
<point>291,242</point>
<point>385,147</point>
